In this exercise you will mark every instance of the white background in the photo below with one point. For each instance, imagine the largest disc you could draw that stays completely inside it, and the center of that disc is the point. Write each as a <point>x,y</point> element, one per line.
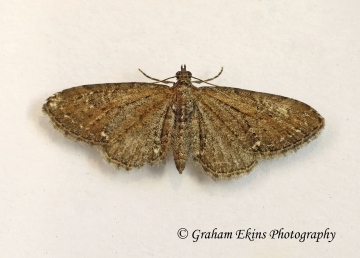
<point>59,198</point>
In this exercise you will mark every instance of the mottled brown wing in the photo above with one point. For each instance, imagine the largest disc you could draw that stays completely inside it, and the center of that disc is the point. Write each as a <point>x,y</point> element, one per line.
<point>131,121</point>
<point>218,154</point>
<point>261,124</point>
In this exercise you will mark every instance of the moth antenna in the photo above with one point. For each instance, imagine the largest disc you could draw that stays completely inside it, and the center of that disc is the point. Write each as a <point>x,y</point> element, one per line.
<point>200,81</point>
<point>154,79</point>
<point>207,80</point>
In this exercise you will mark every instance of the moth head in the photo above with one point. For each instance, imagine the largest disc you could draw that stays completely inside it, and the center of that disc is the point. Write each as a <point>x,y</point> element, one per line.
<point>183,74</point>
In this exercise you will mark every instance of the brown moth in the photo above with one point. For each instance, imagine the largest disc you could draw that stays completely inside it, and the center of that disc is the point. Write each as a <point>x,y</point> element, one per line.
<point>226,130</point>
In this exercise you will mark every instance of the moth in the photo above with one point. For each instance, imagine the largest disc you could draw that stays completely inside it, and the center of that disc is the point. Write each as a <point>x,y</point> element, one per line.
<point>226,130</point>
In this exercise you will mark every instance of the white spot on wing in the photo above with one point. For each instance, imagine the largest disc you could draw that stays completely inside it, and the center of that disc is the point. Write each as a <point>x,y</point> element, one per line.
<point>104,135</point>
